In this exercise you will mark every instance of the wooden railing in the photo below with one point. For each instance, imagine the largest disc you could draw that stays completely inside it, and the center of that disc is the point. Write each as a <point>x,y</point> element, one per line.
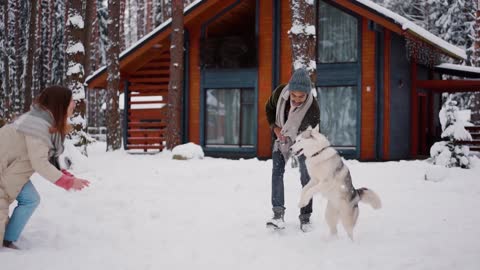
<point>474,144</point>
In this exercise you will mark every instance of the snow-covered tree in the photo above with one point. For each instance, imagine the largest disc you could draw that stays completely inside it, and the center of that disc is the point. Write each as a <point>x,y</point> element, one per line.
<point>175,85</point>
<point>113,78</point>
<point>4,62</point>
<point>302,35</point>
<point>58,44</point>
<point>30,56</point>
<point>75,76</point>
<point>449,153</point>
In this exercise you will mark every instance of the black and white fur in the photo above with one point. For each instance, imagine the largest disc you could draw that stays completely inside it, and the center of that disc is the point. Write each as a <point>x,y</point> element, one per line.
<point>331,177</point>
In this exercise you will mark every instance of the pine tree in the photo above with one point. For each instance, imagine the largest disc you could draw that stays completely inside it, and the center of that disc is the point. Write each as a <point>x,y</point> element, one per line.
<point>449,153</point>
<point>75,54</point>
<point>113,79</point>
<point>30,57</point>
<point>90,15</point>
<point>140,19</point>
<point>175,85</point>
<point>58,44</point>
<point>476,63</point>
<point>302,35</point>
<point>20,18</point>
<point>4,63</point>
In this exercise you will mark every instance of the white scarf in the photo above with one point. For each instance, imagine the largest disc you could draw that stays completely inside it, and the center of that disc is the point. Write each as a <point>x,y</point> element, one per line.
<point>289,127</point>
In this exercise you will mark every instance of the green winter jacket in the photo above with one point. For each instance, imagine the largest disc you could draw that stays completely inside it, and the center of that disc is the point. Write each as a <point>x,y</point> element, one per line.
<point>312,117</point>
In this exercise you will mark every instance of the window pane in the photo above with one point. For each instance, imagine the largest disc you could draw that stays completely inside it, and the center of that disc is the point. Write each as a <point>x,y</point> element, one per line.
<point>337,35</point>
<point>230,40</point>
<point>223,116</point>
<point>338,114</point>
<point>248,117</point>
<point>248,125</point>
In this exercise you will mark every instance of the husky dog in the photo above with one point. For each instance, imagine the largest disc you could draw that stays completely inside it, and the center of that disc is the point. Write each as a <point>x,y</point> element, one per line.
<point>331,177</point>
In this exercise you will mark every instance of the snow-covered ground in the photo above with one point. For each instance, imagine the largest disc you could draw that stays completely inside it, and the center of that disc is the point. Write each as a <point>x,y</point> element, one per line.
<point>152,212</point>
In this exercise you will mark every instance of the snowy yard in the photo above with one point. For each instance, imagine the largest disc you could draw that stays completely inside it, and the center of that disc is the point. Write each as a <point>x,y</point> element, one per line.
<point>152,212</point>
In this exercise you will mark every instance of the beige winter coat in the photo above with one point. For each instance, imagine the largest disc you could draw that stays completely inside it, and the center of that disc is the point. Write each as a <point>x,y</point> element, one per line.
<point>20,157</point>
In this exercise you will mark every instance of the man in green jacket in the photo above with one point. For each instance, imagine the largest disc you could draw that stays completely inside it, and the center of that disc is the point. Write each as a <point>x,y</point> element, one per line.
<point>291,109</point>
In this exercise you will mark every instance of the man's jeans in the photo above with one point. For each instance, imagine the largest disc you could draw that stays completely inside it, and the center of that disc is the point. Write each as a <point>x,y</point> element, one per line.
<point>28,200</point>
<point>278,196</point>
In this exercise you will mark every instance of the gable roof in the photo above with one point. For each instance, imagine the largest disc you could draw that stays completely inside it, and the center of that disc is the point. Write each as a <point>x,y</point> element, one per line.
<point>369,9</point>
<point>416,30</point>
<point>148,37</point>
<point>459,70</point>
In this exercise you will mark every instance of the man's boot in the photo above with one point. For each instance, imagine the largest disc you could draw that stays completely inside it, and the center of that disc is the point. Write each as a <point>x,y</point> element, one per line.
<point>277,221</point>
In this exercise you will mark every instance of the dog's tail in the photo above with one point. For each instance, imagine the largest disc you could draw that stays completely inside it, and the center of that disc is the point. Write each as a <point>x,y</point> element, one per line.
<point>370,197</point>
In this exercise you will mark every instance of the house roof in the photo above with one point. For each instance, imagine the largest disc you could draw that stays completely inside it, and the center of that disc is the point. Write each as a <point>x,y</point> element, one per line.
<point>368,9</point>
<point>159,29</point>
<point>459,70</point>
<point>416,30</point>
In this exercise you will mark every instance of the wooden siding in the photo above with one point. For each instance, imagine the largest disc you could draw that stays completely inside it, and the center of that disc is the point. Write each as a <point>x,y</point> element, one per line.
<point>285,47</point>
<point>386,91</point>
<point>367,137</point>
<point>414,111</point>
<point>265,55</point>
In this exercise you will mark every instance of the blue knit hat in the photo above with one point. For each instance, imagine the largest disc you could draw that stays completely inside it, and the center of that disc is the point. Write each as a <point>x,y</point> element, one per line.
<point>300,81</point>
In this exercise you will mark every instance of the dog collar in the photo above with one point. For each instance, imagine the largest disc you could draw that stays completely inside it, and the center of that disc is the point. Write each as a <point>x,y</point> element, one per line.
<point>318,153</point>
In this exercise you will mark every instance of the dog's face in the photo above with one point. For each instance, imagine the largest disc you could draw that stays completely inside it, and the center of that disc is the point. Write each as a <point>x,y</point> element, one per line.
<point>309,142</point>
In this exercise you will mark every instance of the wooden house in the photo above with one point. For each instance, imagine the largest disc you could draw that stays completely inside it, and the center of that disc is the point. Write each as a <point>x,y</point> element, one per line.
<point>374,72</point>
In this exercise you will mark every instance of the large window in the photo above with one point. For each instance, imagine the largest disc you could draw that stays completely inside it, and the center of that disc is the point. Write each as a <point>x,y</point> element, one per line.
<point>230,42</point>
<point>230,117</point>
<point>338,115</point>
<point>337,35</point>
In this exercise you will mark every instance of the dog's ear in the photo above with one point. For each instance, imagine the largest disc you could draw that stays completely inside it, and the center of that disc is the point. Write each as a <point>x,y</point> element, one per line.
<point>307,133</point>
<point>317,128</point>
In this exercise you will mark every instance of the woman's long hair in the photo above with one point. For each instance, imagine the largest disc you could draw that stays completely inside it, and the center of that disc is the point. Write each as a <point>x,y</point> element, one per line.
<point>56,99</point>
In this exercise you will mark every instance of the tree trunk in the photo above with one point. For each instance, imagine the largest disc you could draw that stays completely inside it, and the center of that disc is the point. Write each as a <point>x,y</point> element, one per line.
<point>476,62</point>
<point>90,13</point>
<point>150,19</point>
<point>121,24</point>
<point>75,71</point>
<point>113,79</point>
<point>175,86</point>
<point>140,19</point>
<point>30,54</point>
<point>17,94</point>
<point>38,76</point>
<point>302,36</point>
<point>5,101</point>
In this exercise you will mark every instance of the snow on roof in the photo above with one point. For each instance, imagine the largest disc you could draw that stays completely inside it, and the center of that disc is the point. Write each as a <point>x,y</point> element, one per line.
<point>404,22</point>
<point>411,26</point>
<point>459,68</point>
<point>158,29</point>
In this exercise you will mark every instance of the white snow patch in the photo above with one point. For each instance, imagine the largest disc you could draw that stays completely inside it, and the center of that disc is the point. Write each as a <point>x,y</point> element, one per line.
<point>188,151</point>
<point>74,68</point>
<point>76,48</point>
<point>436,173</point>
<point>459,68</point>
<point>152,212</point>
<point>76,21</point>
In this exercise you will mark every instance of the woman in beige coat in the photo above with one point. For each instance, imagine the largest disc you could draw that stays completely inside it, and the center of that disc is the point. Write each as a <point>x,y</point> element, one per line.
<point>31,144</point>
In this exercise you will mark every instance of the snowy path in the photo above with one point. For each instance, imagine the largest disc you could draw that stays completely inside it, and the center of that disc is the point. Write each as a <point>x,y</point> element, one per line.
<point>151,212</point>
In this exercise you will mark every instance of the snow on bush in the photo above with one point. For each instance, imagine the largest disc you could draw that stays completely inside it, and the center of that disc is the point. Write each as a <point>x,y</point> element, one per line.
<point>449,153</point>
<point>187,151</point>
